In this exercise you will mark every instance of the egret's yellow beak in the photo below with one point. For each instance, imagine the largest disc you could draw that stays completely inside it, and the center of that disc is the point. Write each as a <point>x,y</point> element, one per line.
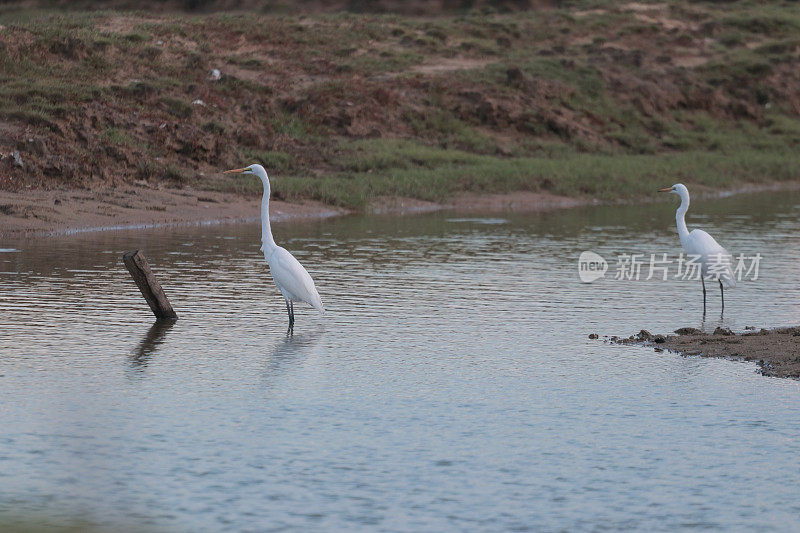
<point>235,171</point>
<point>668,189</point>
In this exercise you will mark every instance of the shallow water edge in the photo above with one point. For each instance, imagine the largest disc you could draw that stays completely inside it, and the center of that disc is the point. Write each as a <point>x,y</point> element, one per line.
<point>46,213</point>
<point>775,351</point>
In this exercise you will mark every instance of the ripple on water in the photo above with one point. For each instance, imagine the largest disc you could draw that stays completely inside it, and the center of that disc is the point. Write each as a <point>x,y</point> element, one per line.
<point>450,385</point>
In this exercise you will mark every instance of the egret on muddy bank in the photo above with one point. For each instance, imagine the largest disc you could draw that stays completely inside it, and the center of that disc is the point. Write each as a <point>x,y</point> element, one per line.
<point>713,258</point>
<point>292,279</point>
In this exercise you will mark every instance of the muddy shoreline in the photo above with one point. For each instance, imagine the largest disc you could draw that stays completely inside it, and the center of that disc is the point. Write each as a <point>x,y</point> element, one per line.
<point>49,213</point>
<point>60,212</point>
<point>33,213</point>
<point>776,351</point>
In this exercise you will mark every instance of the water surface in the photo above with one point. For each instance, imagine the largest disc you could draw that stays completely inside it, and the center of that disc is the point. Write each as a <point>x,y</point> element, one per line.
<point>450,386</point>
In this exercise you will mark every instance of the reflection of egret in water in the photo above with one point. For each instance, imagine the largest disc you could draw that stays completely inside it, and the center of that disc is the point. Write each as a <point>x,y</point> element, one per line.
<point>291,349</point>
<point>149,344</point>
<point>709,325</point>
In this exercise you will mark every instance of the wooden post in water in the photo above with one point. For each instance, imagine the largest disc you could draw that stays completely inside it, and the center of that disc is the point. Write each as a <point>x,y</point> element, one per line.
<point>148,285</point>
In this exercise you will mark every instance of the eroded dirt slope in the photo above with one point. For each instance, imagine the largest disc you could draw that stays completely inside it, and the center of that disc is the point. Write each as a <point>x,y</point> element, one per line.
<point>106,99</point>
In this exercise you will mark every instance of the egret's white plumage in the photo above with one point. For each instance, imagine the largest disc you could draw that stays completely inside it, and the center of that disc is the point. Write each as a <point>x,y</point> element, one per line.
<point>714,259</point>
<point>292,279</point>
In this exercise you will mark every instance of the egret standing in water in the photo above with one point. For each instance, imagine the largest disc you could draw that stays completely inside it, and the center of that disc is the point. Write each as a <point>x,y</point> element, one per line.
<point>292,279</point>
<point>698,243</point>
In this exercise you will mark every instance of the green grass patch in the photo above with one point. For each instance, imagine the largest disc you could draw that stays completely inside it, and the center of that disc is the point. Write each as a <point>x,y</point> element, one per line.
<point>177,107</point>
<point>596,176</point>
<point>284,123</point>
<point>117,137</point>
<point>381,62</point>
<point>376,155</point>
<point>276,162</point>
<point>378,168</point>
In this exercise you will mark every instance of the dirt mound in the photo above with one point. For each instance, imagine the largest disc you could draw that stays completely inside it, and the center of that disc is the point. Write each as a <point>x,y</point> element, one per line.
<point>777,351</point>
<point>110,99</point>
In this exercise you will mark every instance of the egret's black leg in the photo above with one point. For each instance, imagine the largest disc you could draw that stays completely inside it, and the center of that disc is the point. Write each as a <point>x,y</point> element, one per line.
<point>722,295</point>
<point>290,312</point>
<point>704,294</point>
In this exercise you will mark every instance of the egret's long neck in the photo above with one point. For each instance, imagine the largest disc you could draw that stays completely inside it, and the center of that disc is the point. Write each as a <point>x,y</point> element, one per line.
<point>267,241</point>
<point>680,217</point>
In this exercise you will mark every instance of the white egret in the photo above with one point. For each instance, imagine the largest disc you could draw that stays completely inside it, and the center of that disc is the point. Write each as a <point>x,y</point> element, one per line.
<point>714,260</point>
<point>292,279</point>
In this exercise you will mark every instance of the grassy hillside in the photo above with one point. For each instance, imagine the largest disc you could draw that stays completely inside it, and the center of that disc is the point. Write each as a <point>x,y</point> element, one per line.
<point>600,99</point>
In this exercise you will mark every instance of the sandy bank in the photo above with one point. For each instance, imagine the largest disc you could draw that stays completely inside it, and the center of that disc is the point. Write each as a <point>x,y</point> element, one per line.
<point>36,212</point>
<point>60,212</point>
<point>777,351</point>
